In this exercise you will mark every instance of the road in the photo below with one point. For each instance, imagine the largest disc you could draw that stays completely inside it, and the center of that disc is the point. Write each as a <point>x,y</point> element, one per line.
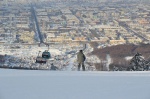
<point>134,32</point>
<point>36,23</point>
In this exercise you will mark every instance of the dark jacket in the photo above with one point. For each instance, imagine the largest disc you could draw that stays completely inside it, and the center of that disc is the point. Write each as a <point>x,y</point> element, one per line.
<point>80,57</point>
<point>53,67</point>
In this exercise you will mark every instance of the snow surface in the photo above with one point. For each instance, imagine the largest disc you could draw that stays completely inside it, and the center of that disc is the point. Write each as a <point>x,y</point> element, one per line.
<point>34,84</point>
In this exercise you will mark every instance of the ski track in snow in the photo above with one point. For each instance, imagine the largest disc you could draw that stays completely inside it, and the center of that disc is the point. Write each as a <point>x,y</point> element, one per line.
<point>36,84</point>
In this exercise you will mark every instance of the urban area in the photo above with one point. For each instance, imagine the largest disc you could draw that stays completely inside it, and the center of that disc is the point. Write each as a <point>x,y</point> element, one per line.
<point>28,28</point>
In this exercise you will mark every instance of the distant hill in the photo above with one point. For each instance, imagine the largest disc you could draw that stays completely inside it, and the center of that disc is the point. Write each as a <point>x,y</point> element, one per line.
<point>119,52</point>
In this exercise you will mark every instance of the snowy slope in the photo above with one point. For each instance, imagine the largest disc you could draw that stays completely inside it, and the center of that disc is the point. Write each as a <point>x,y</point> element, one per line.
<point>21,84</point>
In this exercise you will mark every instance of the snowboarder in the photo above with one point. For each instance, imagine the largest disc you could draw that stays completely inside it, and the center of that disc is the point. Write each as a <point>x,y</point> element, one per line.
<point>80,59</point>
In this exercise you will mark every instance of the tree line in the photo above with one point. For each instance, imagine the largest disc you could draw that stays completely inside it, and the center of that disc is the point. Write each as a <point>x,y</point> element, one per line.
<point>119,53</point>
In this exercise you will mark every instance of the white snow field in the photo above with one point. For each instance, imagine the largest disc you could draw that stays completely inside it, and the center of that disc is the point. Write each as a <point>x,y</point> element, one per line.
<point>34,84</point>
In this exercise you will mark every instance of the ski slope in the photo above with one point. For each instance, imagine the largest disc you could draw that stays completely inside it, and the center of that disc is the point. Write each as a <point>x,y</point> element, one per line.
<point>32,84</point>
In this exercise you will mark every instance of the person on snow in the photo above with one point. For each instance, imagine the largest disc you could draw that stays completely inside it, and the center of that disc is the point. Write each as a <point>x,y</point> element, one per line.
<point>80,59</point>
<point>53,67</point>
